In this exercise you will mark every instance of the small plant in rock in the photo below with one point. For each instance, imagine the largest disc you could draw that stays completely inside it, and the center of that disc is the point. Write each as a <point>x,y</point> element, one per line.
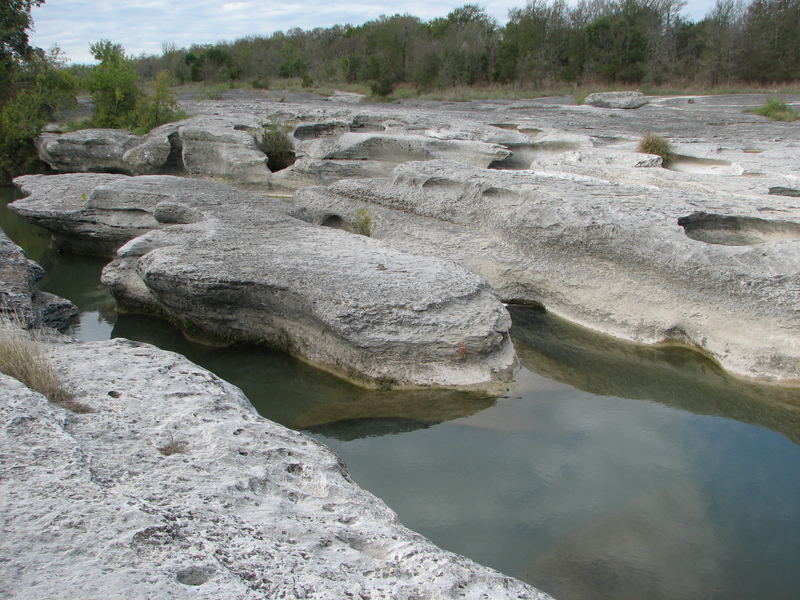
<point>653,143</point>
<point>273,140</point>
<point>173,446</point>
<point>776,110</point>
<point>363,222</point>
<point>23,356</point>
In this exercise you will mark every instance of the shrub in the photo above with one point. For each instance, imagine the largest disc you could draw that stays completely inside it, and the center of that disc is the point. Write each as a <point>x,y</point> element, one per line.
<point>273,140</point>
<point>112,84</point>
<point>653,143</point>
<point>382,88</point>
<point>158,108</point>
<point>23,116</point>
<point>22,356</point>
<point>776,110</point>
<point>260,84</point>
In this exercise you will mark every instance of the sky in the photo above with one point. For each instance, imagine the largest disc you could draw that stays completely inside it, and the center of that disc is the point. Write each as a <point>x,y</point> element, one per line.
<point>142,26</point>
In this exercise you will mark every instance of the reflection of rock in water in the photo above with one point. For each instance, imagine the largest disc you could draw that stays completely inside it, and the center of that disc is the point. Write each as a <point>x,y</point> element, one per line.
<point>661,545</point>
<point>355,429</point>
<point>319,402</point>
<point>369,413</point>
<point>675,376</point>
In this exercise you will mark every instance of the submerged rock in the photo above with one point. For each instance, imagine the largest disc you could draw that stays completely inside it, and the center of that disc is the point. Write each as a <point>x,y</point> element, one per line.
<point>20,299</point>
<point>173,487</point>
<point>236,266</point>
<point>641,263</point>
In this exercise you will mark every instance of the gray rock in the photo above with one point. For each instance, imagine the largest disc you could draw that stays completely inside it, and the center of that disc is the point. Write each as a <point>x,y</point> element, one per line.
<point>616,99</point>
<point>153,152</point>
<point>20,299</point>
<point>83,220</point>
<point>98,150</point>
<point>243,269</point>
<point>637,262</point>
<point>175,488</point>
<point>216,146</point>
<point>399,148</point>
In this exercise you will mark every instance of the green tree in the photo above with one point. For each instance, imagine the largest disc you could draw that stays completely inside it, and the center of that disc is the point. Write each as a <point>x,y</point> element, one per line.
<point>15,21</point>
<point>112,84</point>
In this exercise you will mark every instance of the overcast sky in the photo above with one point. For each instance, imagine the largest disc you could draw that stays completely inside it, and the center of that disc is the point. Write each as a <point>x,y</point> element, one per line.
<point>141,26</point>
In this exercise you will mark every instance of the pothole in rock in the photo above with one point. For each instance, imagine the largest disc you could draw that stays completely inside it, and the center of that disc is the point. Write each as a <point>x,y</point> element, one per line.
<point>692,164</point>
<point>337,222</point>
<point>312,131</point>
<point>522,155</point>
<point>194,575</point>
<point>509,126</point>
<point>737,231</point>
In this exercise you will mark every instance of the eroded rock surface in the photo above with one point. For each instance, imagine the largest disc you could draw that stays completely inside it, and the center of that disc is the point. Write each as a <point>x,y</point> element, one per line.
<point>237,266</point>
<point>635,261</point>
<point>20,299</point>
<point>175,488</point>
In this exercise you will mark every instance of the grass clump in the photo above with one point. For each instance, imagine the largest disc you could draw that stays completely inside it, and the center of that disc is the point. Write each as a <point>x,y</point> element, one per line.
<point>652,143</point>
<point>23,357</point>
<point>273,140</point>
<point>776,110</point>
<point>363,222</point>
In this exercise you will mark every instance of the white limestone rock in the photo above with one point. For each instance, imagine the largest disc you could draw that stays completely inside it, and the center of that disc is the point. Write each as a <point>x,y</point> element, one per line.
<point>638,262</point>
<point>94,150</point>
<point>237,266</point>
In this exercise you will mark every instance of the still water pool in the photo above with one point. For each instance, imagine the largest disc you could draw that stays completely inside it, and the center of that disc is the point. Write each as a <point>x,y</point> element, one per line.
<point>609,470</point>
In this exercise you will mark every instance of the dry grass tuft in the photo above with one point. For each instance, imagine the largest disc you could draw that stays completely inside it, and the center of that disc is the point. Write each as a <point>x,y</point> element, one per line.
<point>22,356</point>
<point>652,143</point>
<point>173,446</point>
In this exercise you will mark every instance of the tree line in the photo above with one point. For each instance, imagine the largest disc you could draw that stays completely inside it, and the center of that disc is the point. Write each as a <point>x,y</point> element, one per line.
<point>546,42</point>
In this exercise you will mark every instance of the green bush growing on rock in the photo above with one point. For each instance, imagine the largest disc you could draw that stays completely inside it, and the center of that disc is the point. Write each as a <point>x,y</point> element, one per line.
<point>273,140</point>
<point>776,110</point>
<point>653,143</point>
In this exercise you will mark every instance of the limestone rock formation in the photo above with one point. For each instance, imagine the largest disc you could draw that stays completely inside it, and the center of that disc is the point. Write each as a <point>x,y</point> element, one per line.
<point>82,220</point>
<point>20,299</point>
<point>616,99</point>
<point>98,150</point>
<point>642,263</point>
<point>173,487</point>
<point>237,266</point>
<point>206,145</point>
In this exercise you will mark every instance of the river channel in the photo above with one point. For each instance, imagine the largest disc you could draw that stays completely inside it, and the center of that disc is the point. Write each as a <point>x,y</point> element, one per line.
<point>609,470</point>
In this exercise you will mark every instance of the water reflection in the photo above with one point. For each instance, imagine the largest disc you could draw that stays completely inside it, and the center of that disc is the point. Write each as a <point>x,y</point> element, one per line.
<point>674,376</point>
<point>299,396</point>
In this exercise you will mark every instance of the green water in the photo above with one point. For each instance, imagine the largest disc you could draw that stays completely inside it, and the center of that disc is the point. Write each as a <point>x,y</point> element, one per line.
<point>609,471</point>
